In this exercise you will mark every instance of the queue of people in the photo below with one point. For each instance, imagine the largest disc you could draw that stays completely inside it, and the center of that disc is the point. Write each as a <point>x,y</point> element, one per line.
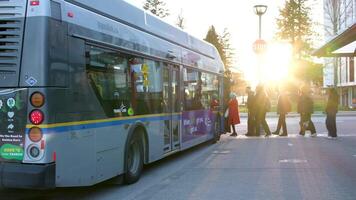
<point>258,104</point>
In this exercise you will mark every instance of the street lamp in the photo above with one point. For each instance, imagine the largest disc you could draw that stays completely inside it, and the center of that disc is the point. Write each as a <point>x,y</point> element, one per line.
<point>260,10</point>
<point>259,45</point>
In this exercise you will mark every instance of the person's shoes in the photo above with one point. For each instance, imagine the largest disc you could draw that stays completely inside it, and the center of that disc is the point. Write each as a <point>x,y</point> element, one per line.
<point>283,135</point>
<point>275,133</point>
<point>233,135</point>
<point>302,134</point>
<point>313,135</point>
<point>332,138</point>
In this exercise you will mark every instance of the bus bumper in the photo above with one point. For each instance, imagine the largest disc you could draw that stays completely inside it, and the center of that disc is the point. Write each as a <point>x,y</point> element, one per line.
<point>18,175</point>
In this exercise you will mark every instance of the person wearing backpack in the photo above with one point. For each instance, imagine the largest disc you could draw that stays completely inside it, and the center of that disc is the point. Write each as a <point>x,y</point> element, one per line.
<point>283,107</point>
<point>305,109</point>
<point>263,105</point>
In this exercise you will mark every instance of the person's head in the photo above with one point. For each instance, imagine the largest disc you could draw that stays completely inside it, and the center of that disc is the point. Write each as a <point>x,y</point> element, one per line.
<point>304,90</point>
<point>259,89</point>
<point>332,92</point>
<point>282,90</point>
<point>232,95</point>
<point>248,89</point>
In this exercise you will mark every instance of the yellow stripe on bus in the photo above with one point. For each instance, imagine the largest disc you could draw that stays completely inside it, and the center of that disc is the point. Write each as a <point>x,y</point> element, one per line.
<point>55,125</point>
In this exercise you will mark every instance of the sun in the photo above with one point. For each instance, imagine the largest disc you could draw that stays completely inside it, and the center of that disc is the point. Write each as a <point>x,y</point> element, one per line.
<point>276,63</point>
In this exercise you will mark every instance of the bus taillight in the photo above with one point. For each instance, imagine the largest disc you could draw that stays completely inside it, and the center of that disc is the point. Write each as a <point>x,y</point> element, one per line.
<point>34,2</point>
<point>35,134</point>
<point>34,151</point>
<point>37,99</point>
<point>36,117</point>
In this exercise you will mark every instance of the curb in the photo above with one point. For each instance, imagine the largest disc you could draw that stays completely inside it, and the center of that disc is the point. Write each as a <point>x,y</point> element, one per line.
<point>317,114</point>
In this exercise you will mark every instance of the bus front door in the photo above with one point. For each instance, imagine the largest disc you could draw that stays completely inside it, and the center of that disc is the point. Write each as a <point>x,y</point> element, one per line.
<point>171,108</point>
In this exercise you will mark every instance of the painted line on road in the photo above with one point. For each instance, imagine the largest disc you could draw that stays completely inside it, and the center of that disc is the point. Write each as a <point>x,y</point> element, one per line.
<point>290,144</point>
<point>221,152</point>
<point>294,161</point>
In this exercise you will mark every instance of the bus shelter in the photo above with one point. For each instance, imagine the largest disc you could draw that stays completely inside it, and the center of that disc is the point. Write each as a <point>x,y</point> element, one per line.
<point>343,47</point>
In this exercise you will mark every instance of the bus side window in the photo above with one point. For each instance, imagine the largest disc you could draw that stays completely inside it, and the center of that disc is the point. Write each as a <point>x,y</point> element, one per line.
<point>192,90</point>
<point>147,85</point>
<point>107,75</point>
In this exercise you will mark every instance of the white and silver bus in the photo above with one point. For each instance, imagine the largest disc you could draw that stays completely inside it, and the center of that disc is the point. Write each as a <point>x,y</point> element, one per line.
<point>91,90</point>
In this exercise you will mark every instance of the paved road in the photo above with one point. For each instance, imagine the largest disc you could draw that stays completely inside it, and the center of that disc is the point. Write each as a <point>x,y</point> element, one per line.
<point>241,168</point>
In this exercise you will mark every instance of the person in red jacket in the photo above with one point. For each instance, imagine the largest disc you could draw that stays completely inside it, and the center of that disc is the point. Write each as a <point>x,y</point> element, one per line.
<point>234,116</point>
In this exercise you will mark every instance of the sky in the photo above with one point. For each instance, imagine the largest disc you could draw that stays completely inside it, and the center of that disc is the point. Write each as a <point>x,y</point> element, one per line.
<point>239,18</point>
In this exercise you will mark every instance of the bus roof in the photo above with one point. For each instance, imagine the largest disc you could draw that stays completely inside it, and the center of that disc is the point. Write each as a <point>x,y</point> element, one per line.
<point>138,18</point>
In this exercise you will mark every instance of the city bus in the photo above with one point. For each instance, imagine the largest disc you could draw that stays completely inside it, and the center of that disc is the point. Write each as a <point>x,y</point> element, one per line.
<point>92,90</point>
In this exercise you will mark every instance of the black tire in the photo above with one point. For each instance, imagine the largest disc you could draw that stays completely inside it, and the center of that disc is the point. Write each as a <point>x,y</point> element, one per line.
<point>134,158</point>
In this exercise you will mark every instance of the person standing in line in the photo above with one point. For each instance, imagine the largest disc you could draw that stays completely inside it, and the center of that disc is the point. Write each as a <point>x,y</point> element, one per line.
<point>234,116</point>
<point>262,107</point>
<point>331,110</point>
<point>305,109</point>
<point>251,114</point>
<point>283,107</point>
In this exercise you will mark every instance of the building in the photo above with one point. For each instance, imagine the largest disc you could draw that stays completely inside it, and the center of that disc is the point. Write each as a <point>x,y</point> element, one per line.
<point>339,49</point>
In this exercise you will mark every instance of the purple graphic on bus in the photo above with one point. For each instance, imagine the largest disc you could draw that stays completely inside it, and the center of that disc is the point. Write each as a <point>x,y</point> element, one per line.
<point>198,123</point>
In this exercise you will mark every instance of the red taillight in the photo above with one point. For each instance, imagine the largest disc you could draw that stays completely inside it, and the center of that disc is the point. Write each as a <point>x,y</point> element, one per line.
<point>42,144</point>
<point>36,117</point>
<point>35,3</point>
<point>70,14</point>
<point>54,156</point>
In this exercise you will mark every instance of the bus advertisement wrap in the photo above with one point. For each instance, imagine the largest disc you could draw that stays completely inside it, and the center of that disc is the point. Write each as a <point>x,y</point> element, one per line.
<point>13,121</point>
<point>197,124</point>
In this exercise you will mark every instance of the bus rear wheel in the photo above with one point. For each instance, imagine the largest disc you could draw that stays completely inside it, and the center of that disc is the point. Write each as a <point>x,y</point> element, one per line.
<point>134,159</point>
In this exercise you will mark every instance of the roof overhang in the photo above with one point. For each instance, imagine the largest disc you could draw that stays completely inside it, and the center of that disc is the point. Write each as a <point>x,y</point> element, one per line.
<point>342,45</point>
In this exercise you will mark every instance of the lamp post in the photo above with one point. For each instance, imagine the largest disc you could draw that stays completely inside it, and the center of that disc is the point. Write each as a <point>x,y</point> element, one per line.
<point>259,45</point>
<point>260,10</point>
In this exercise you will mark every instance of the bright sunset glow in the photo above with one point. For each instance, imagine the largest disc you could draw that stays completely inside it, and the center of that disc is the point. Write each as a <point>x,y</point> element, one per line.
<point>277,62</point>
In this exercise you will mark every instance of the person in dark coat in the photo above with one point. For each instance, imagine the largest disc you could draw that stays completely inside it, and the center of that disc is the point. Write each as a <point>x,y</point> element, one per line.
<point>305,109</point>
<point>263,105</point>
<point>283,107</point>
<point>234,115</point>
<point>331,110</point>
<point>251,112</point>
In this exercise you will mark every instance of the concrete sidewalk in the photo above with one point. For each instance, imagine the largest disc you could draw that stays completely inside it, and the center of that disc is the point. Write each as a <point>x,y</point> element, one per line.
<point>316,114</point>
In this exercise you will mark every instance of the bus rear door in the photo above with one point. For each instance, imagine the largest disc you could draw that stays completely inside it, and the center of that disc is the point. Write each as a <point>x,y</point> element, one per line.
<point>172,107</point>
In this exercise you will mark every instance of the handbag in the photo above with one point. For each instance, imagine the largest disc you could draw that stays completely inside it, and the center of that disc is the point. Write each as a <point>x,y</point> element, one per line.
<point>226,115</point>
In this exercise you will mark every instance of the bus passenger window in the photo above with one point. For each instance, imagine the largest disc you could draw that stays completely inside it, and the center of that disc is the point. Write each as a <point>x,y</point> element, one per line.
<point>147,84</point>
<point>192,90</point>
<point>210,91</point>
<point>108,76</point>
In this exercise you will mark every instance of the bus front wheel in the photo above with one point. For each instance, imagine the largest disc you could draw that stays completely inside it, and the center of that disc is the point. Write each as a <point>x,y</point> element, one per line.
<point>134,159</point>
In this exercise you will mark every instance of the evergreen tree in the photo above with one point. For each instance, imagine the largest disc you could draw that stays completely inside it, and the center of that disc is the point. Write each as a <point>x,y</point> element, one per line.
<point>156,7</point>
<point>295,26</point>
<point>225,41</point>
<point>213,38</point>
<point>222,44</point>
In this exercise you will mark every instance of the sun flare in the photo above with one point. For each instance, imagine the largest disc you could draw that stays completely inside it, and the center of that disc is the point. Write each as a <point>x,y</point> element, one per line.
<point>276,63</point>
